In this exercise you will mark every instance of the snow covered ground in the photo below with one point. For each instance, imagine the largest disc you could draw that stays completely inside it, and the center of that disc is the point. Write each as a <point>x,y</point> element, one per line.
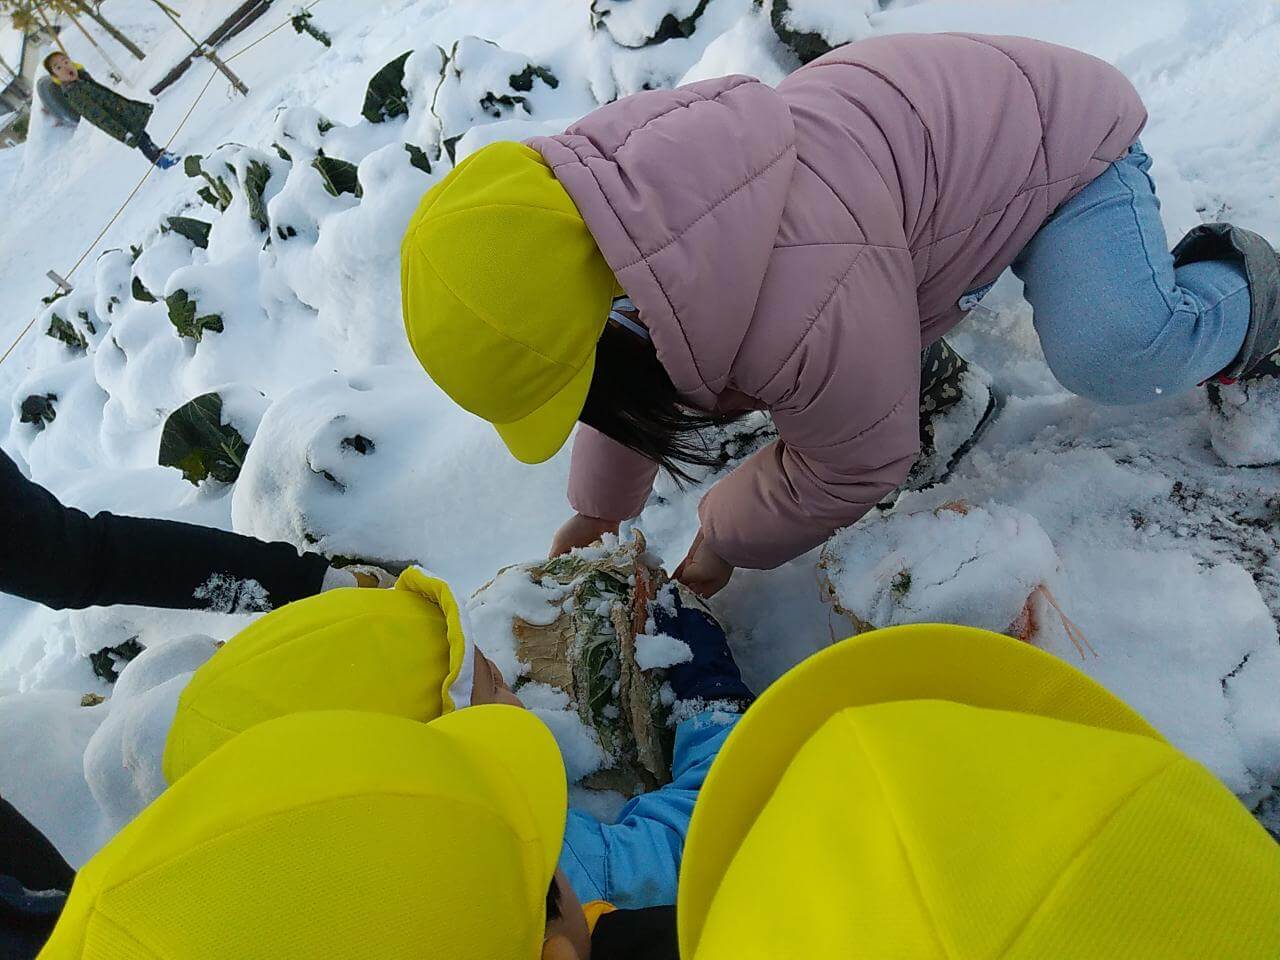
<point>1167,559</point>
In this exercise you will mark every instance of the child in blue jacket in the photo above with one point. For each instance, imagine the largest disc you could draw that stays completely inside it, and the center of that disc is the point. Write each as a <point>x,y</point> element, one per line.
<point>624,873</point>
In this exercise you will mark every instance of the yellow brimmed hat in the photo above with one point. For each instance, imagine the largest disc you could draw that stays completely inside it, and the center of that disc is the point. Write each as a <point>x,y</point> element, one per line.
<point>505,295</point>
<point>403,651</point>
<point>935,792</point>
<point>341,835</point>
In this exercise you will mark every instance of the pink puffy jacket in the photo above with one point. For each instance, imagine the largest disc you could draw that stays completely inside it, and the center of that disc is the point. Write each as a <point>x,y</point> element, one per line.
<point>794,249</point>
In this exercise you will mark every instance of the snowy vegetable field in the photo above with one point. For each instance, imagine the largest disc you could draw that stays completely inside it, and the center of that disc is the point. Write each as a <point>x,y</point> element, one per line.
<point>232,354</point>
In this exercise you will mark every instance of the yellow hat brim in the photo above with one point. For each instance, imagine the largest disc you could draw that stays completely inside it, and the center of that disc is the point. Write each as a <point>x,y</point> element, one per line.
<point>539,436</point>
<point>916,662</point>
<point>521,744</point>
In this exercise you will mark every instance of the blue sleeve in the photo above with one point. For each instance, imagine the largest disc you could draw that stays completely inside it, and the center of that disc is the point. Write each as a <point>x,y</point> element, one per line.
<point>635,862</point>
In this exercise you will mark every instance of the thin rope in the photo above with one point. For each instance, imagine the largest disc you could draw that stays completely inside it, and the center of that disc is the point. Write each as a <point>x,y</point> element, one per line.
<point>278,26</point>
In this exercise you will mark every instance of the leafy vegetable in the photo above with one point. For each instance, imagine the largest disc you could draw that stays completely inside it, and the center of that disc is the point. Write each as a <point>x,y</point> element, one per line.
<point>38,410</point>
<point>523,81</point>
<point>386,98</point>
<point>217,194</point>
<point>109,661</point>
<point>197,442</point>
<point>256,176</point>
<point>60,329</point>
<point>339,176</point>
<point>197,231</point>
<point>182,314</point>
<point>302,24</point>
<point>140,292</point>
<point>418,157</point>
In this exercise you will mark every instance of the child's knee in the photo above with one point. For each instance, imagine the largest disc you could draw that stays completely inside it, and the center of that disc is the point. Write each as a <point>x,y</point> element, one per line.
<point>1105,374</point>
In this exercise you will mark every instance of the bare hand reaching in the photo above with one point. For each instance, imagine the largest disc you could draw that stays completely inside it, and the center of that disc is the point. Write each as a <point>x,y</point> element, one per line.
<point>704,571</point>
<point>580,531</point>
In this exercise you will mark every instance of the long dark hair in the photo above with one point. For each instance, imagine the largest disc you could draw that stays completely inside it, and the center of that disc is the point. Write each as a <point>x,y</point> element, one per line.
<point>633,402</point>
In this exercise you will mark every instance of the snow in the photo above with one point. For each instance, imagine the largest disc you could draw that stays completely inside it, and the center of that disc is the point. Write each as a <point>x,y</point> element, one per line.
<point>122,761</point>
<point>1165,557</point>
<point>657,651</point>
<point>579,745</point>
<point>1245,430</point>
<point>975,566</point>
<point>835,22</point>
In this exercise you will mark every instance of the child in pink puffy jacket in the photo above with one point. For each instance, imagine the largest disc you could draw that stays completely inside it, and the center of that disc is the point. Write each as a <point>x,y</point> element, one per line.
<point>794,250</point>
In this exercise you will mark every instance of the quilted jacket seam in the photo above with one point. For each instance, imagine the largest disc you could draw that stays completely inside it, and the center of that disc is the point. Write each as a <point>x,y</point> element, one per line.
<point>817,314</point>
<point>698,98</point>
<point>931,160</point>
<point>832,190</point>
<point>906,395</point>
<point>790,147</point>
<point>1035,96</point>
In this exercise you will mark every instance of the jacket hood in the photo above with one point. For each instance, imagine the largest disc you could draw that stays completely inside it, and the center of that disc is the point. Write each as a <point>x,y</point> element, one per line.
<point>686,215</point>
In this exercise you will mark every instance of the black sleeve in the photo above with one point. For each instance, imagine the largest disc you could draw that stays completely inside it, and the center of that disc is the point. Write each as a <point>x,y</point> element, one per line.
<point>28,856</point>
<point>34,880</point>
<point>648,934</point>
<point>65,559</point>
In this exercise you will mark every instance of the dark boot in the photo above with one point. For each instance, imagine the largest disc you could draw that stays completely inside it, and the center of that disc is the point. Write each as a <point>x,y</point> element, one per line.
<point>1244,399</point>
<point>957,405</point>
<point>1260,355</point>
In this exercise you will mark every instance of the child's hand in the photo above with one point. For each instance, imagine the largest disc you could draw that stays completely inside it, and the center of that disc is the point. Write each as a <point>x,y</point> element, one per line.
<point>711,676</point>
<point>580,531</point>
<point>704,571</point>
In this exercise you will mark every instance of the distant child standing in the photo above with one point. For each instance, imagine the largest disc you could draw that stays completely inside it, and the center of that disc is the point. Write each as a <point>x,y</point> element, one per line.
<point>113,114</point>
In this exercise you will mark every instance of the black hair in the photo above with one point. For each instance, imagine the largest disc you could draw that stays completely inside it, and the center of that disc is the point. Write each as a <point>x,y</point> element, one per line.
<point>553,901</point>
<point>633,402</point>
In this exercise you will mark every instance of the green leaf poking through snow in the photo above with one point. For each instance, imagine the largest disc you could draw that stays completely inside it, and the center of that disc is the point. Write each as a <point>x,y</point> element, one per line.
<point>386,97</point>
<point>182,314</point>
<point>418,157</point>
<point>62,330</point>
<point>140,292</point>
<point>256,176</point>
<point>197,442</point>
<point>38,410</point>
<point>197,231</point>
<point>217,194</point>
<point>339,176</point>
<point>523,81</point>
<point>109,661</point>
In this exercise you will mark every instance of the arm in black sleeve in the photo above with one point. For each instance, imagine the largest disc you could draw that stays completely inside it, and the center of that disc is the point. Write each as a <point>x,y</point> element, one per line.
<point>63,558</point>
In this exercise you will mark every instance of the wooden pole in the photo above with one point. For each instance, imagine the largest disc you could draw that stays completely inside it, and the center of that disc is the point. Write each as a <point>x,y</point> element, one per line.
<point>116,34</point>
<point>20,83</point>
<point>59,280</point>
<point>115,70</point>
<point>48,27</point>
<point>203,51</point>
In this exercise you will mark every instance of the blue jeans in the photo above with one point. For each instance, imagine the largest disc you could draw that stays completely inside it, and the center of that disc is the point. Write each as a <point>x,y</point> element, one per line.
<point>1117,322</point>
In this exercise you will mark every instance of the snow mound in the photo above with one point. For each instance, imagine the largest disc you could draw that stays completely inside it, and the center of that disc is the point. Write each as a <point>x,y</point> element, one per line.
<point>122,761</point>
<point>43,736</point>
<point>377,464</point>
<point>969,565</point>
<point>1244,426</point>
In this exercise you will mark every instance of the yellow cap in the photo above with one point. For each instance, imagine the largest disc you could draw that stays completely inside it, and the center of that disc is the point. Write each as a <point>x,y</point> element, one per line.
<point>340,835</point>
<point>505,295</point>
<point>401,651</point>
<point>934,793</point>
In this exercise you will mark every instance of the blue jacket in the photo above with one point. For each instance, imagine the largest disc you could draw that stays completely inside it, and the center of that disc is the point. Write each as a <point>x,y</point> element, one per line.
<point>635,862</point>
